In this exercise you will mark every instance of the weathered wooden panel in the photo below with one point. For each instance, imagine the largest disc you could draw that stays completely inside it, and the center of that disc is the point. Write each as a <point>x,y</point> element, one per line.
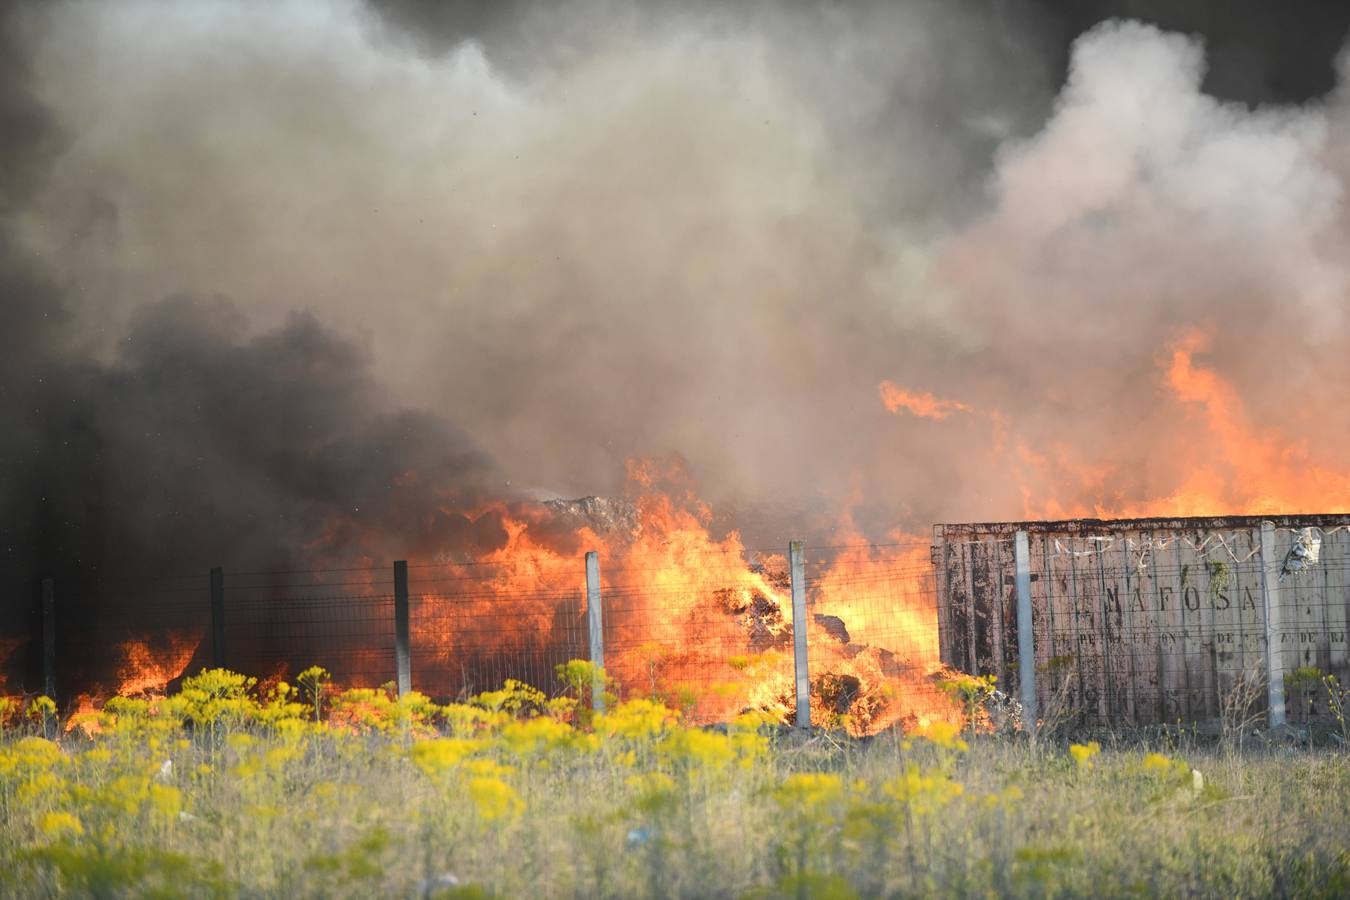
<point>1049,673</point>
<point>1132,670</point>
<point>1228,582</point>
<point>1337,573</point>
<point>1120,661</point>
<point>1251,611</point>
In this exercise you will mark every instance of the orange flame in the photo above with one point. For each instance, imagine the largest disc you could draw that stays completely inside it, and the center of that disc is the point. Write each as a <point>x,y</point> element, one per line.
<point>692,617</point>
<point>1255,472</point>
<point>147,670</point>
<point>918,403</point>
<point>696,619</point>
<point>1231,466</point>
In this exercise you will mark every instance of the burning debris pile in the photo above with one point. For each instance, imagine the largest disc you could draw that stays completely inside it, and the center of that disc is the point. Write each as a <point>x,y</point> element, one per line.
<point>711,623</point>
<point>600,515</point>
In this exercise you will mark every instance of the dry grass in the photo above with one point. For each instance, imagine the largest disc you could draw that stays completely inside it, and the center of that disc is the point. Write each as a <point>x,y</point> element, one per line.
<point>218,792</point>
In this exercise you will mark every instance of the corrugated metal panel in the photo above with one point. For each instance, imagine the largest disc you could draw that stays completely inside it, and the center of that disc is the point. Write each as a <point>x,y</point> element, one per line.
<point>1147,620</point>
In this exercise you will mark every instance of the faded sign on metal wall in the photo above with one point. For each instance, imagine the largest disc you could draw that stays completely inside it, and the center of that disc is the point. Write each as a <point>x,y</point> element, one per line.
<point>1151,620</point>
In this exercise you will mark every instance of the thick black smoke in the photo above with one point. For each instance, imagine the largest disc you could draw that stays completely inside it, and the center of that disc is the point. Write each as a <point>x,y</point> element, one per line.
<point>202,442</point>
<point>31,317</point>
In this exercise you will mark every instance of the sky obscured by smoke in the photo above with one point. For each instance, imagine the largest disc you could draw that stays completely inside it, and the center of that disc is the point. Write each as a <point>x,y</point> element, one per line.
<point>268,266</point>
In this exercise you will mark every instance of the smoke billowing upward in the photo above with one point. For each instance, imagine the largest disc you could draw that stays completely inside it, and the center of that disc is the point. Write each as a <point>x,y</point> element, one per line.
<point>270,267</point>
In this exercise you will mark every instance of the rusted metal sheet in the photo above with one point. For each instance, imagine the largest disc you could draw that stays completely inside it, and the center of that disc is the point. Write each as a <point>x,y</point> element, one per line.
<point>1146,621</point>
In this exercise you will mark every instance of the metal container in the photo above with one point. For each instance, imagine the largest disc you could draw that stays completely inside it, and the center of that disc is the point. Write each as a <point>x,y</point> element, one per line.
<point>1148,621</point>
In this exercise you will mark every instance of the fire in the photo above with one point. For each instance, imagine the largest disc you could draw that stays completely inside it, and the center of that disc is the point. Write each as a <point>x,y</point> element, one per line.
<point>8,647</point>
<point>696,619</point>
<point>1255,472</point>
<point>704,623</point>
<point>692,617</point>
<point>1232,466</point>
<point>918,403</point>
<point>146,668</point>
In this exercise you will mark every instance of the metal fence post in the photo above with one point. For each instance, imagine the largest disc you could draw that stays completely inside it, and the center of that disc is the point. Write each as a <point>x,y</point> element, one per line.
<point>595,630</point>
<point>218,618</point>
<point>1270,597</point>
<point>799,628</point>
<point>48,637</point>
<point>402,643</point>
<point>1026,647</point>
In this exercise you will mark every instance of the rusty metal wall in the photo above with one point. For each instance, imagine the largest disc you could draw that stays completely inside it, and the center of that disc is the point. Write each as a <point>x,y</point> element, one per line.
<point>1147,621</point>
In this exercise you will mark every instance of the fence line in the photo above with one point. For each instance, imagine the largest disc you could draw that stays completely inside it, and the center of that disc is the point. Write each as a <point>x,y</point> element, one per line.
<point>1048,613</point>
<point>840,635</point>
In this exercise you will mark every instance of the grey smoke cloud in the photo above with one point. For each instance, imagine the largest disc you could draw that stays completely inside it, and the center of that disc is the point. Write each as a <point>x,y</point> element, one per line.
<point>1143,210</point>
<point>682,240</point>
<point>524,248</point>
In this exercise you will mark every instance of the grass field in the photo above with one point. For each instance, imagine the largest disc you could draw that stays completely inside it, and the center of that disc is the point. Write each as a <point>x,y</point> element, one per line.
<point>223,790</point>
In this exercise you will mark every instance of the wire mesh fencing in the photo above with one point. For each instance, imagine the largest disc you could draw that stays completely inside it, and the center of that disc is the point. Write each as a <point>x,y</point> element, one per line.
<point>278,623</point>
<point>873,635</point>
<point>1125,628</point>
<point>475,625</point>
<point>707,631</point>
<point>128,635</point>
<point>1138,626</point>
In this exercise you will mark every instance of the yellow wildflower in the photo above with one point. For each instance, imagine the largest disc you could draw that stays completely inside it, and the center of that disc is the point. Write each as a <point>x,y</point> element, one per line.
<point>805,791</point>
<point>57,824</point>
<point>943,734</point>
<point>532,736</point>
<point>1158,763</point>
<point>166,801</point>
<point>1082,753</point>
<point>636,720</point>
<point>706,749</point>
<point>494,799</point>
<point>441,755</point>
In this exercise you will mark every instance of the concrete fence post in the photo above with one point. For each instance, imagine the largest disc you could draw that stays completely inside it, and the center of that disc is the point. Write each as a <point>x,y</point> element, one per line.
<point>1026,647</point>
<point>799,629</point>
<point>402,643</point>
<point>218,618</point>
<point>48,637</point>
<point>1270,597</point>
<point>595,630</point>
